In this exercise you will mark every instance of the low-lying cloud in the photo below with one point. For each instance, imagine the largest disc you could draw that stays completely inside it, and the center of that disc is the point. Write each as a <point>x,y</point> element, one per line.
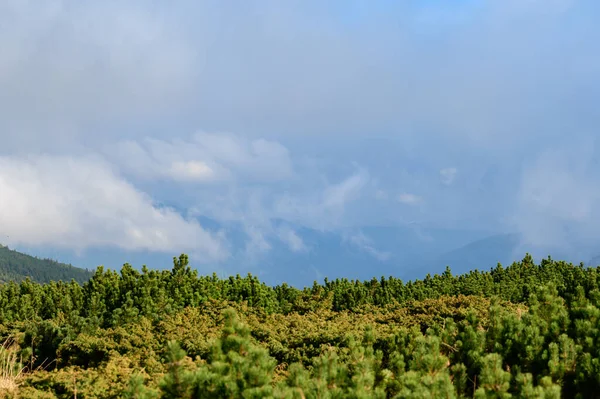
<point>558,203</point>
<point>205,157</point>
<point>78,203</point>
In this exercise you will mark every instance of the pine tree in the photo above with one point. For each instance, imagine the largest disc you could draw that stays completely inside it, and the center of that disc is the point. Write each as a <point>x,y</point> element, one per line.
<point>236,367</point>
<point>494,382</point>
<point>180,381</point>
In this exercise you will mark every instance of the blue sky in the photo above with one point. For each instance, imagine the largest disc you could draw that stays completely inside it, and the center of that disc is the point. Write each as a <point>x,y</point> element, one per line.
<point>123,123</point>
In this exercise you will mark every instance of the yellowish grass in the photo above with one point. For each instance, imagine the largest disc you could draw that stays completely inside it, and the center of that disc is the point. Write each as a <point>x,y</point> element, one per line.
<point>11,369</point>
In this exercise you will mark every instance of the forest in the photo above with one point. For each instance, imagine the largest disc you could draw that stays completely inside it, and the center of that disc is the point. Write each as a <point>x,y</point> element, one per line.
<point>16,266</point>
<point>526,330</point>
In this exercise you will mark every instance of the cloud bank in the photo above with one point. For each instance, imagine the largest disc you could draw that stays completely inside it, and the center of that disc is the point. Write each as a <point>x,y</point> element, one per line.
<point>326,116</point>
<point>78,203</point>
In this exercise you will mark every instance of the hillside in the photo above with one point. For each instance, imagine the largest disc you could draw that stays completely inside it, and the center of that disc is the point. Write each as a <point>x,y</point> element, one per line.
<point>16,266</point>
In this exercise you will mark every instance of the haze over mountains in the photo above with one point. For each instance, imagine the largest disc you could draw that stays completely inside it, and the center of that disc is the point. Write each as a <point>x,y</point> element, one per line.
<point>409,253</point>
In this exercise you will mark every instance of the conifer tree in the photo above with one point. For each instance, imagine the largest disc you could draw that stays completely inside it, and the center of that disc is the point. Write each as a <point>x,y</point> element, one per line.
<point>236,367</point>
<point>494,382</point>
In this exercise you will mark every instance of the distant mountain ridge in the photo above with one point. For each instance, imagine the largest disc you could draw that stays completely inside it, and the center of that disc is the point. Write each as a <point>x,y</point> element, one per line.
<point>480,254</point>
<point>16,266</point>
<point>407,252</point>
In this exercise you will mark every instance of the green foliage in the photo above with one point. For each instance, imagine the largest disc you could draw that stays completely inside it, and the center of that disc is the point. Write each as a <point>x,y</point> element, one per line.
<point>522,331</point>
<point>16,266</point>
<point>494,382</point>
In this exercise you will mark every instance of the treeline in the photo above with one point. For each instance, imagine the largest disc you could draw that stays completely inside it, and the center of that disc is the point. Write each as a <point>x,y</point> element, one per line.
<point>110,297</point>
<point>526,330</point>
<point>16,266</point>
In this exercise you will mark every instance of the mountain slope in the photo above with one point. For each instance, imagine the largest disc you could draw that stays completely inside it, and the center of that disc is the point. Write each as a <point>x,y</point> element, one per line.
<point>407,252</point>
<point>16,266</point>
<point>360,253</point>
<point>480,254</point>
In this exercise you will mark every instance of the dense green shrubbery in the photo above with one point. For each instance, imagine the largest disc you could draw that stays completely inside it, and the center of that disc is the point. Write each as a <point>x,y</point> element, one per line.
<point>110,298</point>
<point>522,331</point>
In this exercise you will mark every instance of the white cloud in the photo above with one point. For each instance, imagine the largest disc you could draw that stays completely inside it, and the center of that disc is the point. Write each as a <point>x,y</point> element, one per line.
<point>257,243</point>
<point>68,65</point>
<point>409,199</point>
<point>337,195</point>
<point>78,203</point>
<point>448,175</point>
<point>204,158</point>
<point>558,202</point>
<point>267,215</point>
<point>323,207</point>
<point>509,67</point>
<point>292,239</point>
<point>365,244</point>
<point>191,170</point>
<point>256,159</point>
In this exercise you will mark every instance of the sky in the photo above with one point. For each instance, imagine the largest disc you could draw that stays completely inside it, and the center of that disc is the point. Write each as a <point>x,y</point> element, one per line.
<point>150,127</point>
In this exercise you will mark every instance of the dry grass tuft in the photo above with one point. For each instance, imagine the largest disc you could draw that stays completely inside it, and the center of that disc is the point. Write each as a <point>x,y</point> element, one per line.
<point>11,368</point>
